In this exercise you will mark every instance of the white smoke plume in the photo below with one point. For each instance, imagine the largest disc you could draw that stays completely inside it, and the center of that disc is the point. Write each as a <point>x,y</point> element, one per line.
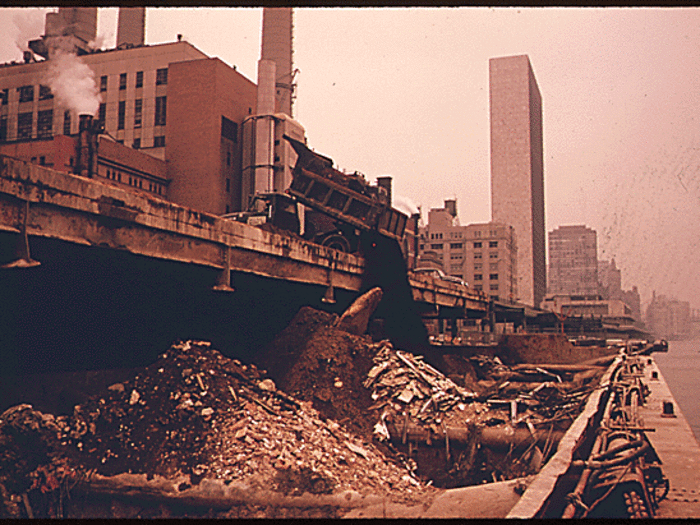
<point>73,83</point>
<point>404,204</point>
<point>100,41</point>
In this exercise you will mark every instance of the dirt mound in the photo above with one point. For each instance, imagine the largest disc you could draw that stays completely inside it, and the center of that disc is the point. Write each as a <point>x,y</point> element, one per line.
<point>545,348</point>
<point>194,414</point>
<point>326,366</point>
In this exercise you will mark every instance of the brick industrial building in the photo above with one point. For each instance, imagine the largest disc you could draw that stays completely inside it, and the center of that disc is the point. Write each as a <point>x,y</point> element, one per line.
<point>517,171</point>
<point>169,101</point>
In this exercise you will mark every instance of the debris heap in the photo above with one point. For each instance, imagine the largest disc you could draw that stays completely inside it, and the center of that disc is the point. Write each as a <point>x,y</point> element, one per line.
<point>405,388</point>
<point>193,415</point>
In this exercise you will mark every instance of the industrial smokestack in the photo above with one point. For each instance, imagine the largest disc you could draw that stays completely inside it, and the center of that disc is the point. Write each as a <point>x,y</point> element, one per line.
<point>86,164</point>
<point>277,46</point>
<point>265,128</point>
<point>385,182</point>
<point>131,27</point>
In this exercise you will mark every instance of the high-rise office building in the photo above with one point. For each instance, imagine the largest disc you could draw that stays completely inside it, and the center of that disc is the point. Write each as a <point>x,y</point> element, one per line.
<point>517,171</point>
<point>573,261</point>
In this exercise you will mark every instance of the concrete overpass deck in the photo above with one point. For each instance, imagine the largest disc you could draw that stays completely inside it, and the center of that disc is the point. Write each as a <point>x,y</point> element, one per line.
<point>39,202</point>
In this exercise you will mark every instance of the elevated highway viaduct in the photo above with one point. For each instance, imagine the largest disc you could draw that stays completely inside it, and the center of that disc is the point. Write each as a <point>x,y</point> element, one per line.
<point>84,259</point>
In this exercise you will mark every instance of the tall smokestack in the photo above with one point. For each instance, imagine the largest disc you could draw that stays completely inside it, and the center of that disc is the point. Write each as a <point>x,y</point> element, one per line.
<point>86,164</point>
<point>277,46</point>
<point>131,27</point>
<point>265,127</point>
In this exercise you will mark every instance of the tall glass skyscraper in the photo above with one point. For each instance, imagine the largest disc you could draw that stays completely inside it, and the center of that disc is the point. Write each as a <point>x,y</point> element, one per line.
<point>517,171</point>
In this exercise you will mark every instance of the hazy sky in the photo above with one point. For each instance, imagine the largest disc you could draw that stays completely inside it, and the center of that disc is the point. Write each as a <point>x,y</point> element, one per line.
<point>404,92</point>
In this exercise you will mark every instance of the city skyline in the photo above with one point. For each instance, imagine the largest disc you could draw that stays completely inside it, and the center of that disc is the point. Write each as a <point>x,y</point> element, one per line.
<point>618,89</point>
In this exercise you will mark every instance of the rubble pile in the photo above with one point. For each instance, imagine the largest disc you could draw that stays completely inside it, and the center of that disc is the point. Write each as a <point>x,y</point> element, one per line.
<point>406,389</point>
<point>193,414</point>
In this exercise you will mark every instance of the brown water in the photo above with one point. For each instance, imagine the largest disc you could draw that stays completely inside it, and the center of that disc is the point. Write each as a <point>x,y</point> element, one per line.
<point>681,369</point>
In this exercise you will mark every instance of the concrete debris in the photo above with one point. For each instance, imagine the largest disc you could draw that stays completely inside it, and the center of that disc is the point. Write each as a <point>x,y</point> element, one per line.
<point>339,420</point>
<point>165,424</point>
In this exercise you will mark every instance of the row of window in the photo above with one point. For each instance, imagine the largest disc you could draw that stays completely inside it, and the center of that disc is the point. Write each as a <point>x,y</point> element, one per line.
<point>135,181</point>
<point>45,123</point>
<point>493,287</point>
<point>161,79</point>
<point>480,277</point>
<point>26,94</point>
<point>158,120</point>
<point>459,245</point>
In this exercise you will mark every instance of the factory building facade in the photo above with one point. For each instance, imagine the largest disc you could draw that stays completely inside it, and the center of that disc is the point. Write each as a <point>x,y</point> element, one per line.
<point>517,170</point>
<point>170,101</point>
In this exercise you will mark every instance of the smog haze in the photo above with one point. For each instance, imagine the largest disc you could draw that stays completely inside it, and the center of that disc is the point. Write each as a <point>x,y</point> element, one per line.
<point>404,92</point>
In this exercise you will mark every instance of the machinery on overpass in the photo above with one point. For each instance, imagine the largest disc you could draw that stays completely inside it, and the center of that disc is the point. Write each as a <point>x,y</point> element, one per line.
<point>342,206</point>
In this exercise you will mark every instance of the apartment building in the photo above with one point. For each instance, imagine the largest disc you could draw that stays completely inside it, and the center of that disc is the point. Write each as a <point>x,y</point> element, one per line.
<point>484,255</point>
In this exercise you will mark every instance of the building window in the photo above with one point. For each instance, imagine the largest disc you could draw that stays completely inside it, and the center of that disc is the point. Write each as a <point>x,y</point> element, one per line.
<point>122,81</point>
<point>162,76</point>
<point>159,142</point>
<point>228,185</point>
<point>3,129</point>
<point>102,113</point>
<point>138,111</point>
<point>436,246</point>
<point>456,245</point>
<point>477,234</point>
<point>477,277</point>
<point>45,93</point>
<point>493,276</point>
<point>161,105</point>
<point>4,96</point>
<point>24,126</point>
<point>66,122</point>
<point>137,143</point>
<point>121,115</point>
<point>478,287</point>
<point>477,245</point>
<point>229,129</point>
<point>477,255</point>
<point>103,83</point>
<point>26,93</point>
<point>228,158</point>
<point>493,255</point>
<point>44,126</point>
<point>493,287</point>
<point>42,161</point>
<point>493,244</point>
<point>139,79</point>
<point>456,256</point>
